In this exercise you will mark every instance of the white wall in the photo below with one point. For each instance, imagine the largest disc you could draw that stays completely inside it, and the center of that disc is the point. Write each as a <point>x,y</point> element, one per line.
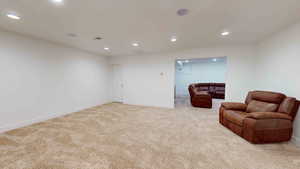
<point>199,71</point>
<point>143,82</point>
<point>40,80</point>
<point>149,79</point>
<point>278,65</point>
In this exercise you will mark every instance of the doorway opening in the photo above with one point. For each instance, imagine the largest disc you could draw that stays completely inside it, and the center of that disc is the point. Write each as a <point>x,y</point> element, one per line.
<point>207,74</point>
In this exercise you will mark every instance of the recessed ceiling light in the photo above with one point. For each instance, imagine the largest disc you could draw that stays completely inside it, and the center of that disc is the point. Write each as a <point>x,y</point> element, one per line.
<point>135,44</point>
<point>214,60</point>
<point>225,33</point>
<point>58,1</point>
<point>13,16</point>
<point>106,48</point>
<point>173,39</point>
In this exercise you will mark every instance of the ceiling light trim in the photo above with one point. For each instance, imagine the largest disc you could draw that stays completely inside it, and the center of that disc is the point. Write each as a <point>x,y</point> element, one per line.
<point>135,44</point>
<point>13,15</point>
<point>173,39</point>
<point>225,33</point>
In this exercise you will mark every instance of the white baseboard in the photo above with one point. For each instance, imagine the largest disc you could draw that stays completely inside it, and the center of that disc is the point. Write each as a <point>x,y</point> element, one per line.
<point>296,141</point>
<point>29,122</point>
<point>36,120</point>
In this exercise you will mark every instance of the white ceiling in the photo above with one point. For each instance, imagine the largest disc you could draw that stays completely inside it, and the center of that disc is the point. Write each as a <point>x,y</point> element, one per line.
<point>149,22</point>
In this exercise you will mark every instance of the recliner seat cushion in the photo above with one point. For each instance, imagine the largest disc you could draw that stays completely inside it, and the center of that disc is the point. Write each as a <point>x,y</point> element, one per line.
<point>269,115</point>
<point>259,106</point>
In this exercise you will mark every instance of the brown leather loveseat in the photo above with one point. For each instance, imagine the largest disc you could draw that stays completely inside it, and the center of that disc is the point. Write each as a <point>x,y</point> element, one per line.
<point>265,117</point>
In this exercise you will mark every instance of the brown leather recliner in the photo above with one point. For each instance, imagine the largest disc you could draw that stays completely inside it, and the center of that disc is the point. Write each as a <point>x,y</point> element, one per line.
<point>200,96</point>
<point>265,117</point>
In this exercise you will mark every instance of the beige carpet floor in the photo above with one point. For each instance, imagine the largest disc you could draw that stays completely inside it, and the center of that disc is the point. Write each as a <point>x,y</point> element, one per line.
<point>116,136</point>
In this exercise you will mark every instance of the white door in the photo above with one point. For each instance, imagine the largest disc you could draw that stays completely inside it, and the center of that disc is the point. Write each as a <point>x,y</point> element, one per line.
<point>117,91</point>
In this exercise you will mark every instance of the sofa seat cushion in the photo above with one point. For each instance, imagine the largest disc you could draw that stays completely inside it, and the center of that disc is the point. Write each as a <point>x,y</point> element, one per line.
<point>259,106</point>
<point>236,117</point>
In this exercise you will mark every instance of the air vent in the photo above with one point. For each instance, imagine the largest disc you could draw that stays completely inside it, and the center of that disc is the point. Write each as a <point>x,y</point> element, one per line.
<point>73,35</point>
<point>182,12</point>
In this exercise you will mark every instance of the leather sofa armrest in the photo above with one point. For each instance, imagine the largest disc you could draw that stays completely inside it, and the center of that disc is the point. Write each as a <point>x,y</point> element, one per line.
<point>268,115</point>
<point>234,106</point>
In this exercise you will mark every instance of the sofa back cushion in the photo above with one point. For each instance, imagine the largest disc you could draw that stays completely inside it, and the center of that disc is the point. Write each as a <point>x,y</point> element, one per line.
<point>219,86</point>
<point>259,106</point>
<point>203,86</point>
<point>264,96</point>
<point>212,88</point>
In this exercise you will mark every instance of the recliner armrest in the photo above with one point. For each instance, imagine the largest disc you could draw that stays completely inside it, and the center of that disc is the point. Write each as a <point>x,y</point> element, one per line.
<point>234,106</point>
<point>268,115</point>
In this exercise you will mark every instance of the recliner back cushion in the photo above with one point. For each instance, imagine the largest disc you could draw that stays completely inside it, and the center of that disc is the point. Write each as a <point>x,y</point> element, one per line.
<point>287,106</point>
<point>259,106</point>
<point>265,96</point>
<point>249,97</point>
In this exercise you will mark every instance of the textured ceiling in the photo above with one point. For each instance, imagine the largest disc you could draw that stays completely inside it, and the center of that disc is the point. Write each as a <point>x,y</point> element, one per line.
<point>150,22</point>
